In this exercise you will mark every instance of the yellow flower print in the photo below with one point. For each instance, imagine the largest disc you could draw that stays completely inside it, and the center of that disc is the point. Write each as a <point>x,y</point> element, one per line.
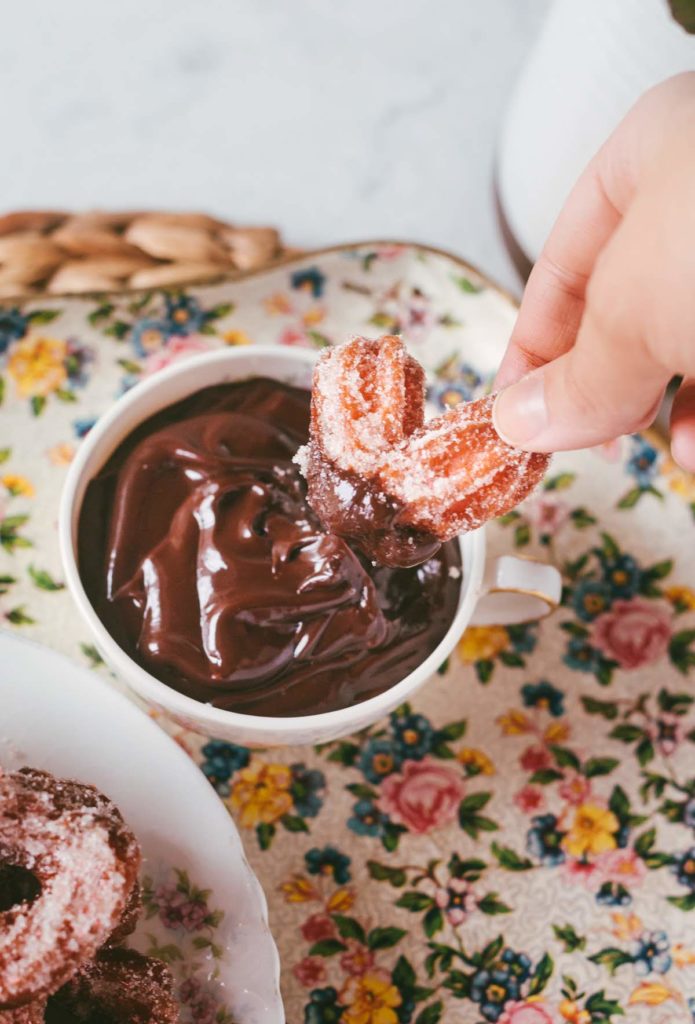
<point>592,832</point>
<point>679,480</point>
<point>370,999</point>
<point>236,338</point>
<point>479,643</point>
<point>261,793</point>
<point>476,759</point>
<point>61,454</point>
<point>573,1014</point>
<point>278,304</point>
<point>341,901</point>
<point>18,485</point>
<point>557,732</point>
<point>652,993</point>
<point>683,957</point>
<point>313,316</point>
<point>515,723</point>
<point>37,366</point>
<point>626,926</point>
<point>680,597</point>
<point>299,890</point>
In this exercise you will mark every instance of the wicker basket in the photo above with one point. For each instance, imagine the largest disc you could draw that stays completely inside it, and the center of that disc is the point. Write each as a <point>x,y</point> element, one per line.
<point>63,253</point>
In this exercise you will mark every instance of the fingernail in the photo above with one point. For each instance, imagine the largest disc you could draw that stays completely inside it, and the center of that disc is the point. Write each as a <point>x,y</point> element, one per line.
<point>520,414</point>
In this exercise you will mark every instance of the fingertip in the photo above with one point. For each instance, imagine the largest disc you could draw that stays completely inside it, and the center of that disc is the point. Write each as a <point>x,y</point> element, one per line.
<point>683,445</point>
<point>520,414</point>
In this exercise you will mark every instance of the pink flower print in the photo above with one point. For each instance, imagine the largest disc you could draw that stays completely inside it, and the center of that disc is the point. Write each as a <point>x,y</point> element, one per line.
<point>203,1007</point>
<point>526,1013</point>
<point>534,759</point>
<point>176,348</point>
<point>457,900</point>
<point>178,910</point>
<point>668,733</point>
<point>547,514</point>
<point>633,633</point>
<point>295,337</point>
<point>423,795</point>
<point>621,866</point>
<point>584,872</point>
<point>310,971</point>
<point>575,789</point>
<point>318,927</point>
<point>529,799</point>
<point>358,959</point>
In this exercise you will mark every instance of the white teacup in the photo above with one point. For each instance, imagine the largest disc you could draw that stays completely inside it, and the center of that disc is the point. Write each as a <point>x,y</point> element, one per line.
<point>508,590</point>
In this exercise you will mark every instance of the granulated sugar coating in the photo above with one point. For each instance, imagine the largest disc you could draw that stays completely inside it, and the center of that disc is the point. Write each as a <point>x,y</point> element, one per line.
<point>119,986</point>
<point>456,472</point>
<point>366,397</point>
<point>380,478</point>
<point>74,842</point>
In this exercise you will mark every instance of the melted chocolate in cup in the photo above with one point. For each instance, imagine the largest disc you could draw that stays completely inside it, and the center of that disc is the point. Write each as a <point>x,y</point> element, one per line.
<point>203,559</point>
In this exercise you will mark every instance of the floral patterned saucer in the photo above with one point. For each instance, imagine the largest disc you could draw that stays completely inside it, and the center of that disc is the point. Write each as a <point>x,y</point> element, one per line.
<point>516,847</point>
<point>204,912</point>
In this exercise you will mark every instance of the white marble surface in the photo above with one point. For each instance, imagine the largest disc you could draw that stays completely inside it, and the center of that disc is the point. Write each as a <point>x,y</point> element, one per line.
<point>334,120</point>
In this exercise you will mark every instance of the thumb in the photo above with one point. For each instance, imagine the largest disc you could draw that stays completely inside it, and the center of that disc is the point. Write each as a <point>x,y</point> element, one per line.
<point>580,399</point>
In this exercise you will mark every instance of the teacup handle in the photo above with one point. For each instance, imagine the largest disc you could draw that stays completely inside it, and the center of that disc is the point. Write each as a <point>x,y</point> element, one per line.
<point>517,590</point>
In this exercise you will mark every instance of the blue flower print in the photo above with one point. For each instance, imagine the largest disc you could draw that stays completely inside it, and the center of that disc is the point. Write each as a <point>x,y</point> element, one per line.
<point>492,988</point>
<point>328,861</point>
<point>379,758</point>
<point>83,426</point>
<point>307,783</point>
<point>461,384</point>
<point>183,314</point>
<point>13,325</point>
<point>651,953</point>
<point>149,335</point>
<point>622,575</point>
<point>544,695</point>
<point>684,869</point>
<point>221,761</point>
<point>612,894</point>
<point>413,736</point>
<point>367,819</point>
<point>524,637</point>
<point>323,1007</point>
<point>310,279</point>
<point>642,464</point>
<point>591,598</point>
<point>581,656</point>
<point>518,964</point>
<point>543,840</point>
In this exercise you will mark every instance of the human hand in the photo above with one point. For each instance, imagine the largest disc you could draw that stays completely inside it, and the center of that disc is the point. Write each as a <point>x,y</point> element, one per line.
<point>608,315</point>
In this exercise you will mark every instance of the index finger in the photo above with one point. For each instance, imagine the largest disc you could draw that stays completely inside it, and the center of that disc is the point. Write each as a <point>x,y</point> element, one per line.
<point>553,301</point>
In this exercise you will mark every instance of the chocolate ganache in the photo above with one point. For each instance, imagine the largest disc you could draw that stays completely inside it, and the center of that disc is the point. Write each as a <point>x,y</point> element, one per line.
<point>203,559</point>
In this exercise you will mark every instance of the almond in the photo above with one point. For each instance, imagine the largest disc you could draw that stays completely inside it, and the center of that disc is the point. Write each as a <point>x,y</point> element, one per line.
<point>172,242</point>
<point>28,257</point>
<point>110,266</point>
<point>175,273</point>
<point>251,247</point>
<point>82,238</point>
<point>77,278</point>
<point>187,220</point>
<point>29,220</point>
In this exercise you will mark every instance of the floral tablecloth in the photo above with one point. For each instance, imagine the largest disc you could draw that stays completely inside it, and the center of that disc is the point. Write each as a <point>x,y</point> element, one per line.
<point>516,847</point>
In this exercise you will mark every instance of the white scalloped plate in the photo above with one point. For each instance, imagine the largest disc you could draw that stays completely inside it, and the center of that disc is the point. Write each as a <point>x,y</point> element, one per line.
<point>58,716</point>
